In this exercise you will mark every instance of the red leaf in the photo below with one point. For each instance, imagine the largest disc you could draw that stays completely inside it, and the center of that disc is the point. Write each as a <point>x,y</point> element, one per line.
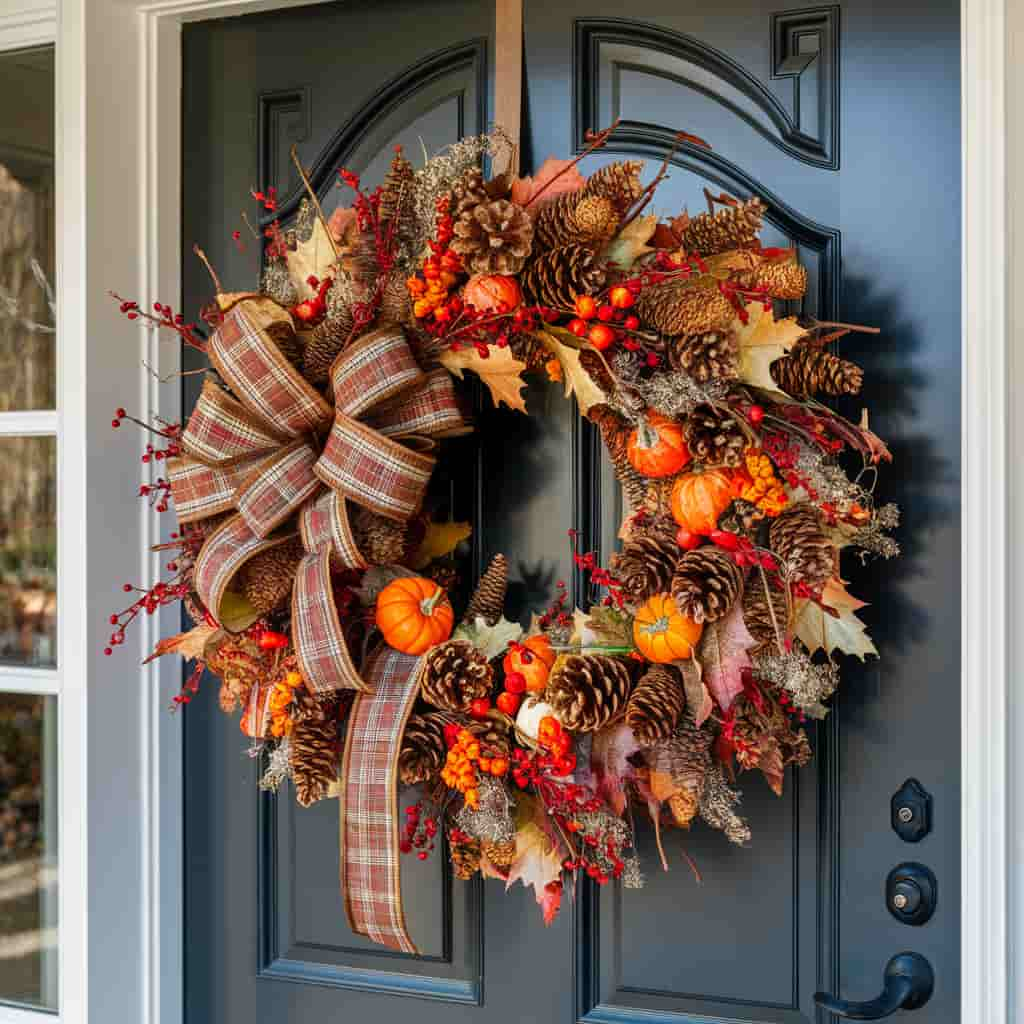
<point>609,759</point>
<point>553,178</point>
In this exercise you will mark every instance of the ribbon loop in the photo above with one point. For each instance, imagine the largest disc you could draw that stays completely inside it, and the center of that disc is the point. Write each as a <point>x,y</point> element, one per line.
<point>277,488</point>
<point>200,491</point>
<point>221,431</point>
<point>373,369</point>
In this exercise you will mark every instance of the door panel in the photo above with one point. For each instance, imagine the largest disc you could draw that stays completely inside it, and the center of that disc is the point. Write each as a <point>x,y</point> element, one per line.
<point>845,120</point>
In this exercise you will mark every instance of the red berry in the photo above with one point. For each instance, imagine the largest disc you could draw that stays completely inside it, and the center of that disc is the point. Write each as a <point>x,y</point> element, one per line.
<point>601,336</point>
<point>586,307</point>
<point>121,413</point>
<point>479,708</point>
<point>451,734</point>
<point>107,651</point>
<point>605,313</point>
<point>515,682</point>
<point>621,297</point>
<point>508,703</point>
<point>725,539</point>
<point>687,540</point>
<point>115,423</point>
<point>578,327</point>
<point>631,323</point>
<point>113,620</point>
<point>755,414</point>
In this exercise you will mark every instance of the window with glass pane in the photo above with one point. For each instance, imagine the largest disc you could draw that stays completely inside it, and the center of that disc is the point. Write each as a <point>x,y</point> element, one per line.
<point>28,533</point>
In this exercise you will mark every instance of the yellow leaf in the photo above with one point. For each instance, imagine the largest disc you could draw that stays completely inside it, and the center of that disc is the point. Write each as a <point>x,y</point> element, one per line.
<point>439,540</point>
<point>763,339</point>
<point>577,381</point>
<point>631,242</point>
<point>189,645</point>
<point>818,629</point>
<point>313,257</point>
<point>500,371</point>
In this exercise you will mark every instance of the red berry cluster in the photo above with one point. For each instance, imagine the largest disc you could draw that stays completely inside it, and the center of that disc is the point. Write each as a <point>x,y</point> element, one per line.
<point>555,614</point>
<point>164,316</point>
<point>604,323</point>
<point>599,576</point>
<point>268,199</point>
<point>420,831</point>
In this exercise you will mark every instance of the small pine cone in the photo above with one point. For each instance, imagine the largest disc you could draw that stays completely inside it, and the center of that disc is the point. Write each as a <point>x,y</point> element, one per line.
<point>797,536</point>
<point>488,600</point>
<point>493,237</point>
<point>706,583</point>
<point>732,227</point>
<point>615,431</point>
<point>780,280</point>
<point>596,219</point>
<point>466,859</point>
<point>808,370</point>
<point>276,282</point>
<point>314,758</point>
<point>493,737</point>
<point>445,575</point>
<point>679,306</point>
<point>711,356</point>
<point>765,611</point>
<point>619,182</point>
<point>363,259</point>
<point>381,541</point>
<point>288,342</point>
<point>529,349</point>
<point>555,277</point>
<point>742,517</point>
<point>655,705</point>
<point>500,855</point>
<point>424,749</point>
<point>307,705</point>
<point>327,340</point>
<point>645,566</point>
<point>395,302</point>
<point>714,437</point>
<point>576,217</point>
<point>397,196</point>
<point>468,192</point>
<point>588,690</point>
<point>455,675</point>
<point>267,577</point>
<point>683,805</point>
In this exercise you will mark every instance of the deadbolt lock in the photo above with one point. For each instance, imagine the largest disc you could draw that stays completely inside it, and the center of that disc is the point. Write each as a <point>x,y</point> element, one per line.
<point>911,893</point>
<point>912,812</point>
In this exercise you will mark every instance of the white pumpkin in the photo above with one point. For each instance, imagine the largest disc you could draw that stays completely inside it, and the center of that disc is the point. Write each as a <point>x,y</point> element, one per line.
<point>532,710</point>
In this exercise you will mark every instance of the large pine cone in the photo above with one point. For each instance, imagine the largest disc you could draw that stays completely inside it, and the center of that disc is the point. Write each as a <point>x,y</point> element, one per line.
<point>645,566</point>
<point>809,370</point>
<point>711,356</point>
<point>576,218</point>
<point>472,189</point>
<point>619,182</point>
<point>493,237</point>
<point>765,611</point>
<point>732,227</point>
<point>797,536</point>
<point>615,431</point>
<point>780,280</point>
<point>315,754</point>
<point>424,749</point>
<point>267,577</point>
<point>679,306</point>
<point>555,277</point>
<point>327,340</point>
<point>488,600</point>
<point>656,704</point>
<point>381,541</point>
<point>455,675</point>
<point>706,584</point>
<point>466,858</point>
<point>714,437</point>
<point>588,690</point>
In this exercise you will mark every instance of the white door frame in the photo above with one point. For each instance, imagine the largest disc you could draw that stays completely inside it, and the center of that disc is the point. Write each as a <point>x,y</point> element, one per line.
<point>119,156</point>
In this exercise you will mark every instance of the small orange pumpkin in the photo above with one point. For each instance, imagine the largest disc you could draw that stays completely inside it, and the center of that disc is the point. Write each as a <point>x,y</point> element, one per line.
<point>657,447</point>
<point>698,499</point>
<point>492,293</point>
<point>536,670</point>
<point>662,633</point>
<point>414,614</point>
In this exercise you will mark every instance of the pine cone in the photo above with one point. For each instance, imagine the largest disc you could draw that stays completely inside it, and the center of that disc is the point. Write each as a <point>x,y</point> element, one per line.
<point>307,705</point>
<point>780,280</point>
<point>397,199</point>
<point>765,611</point>
<point>706,583</point>
<point>679,306</point>
<point>808,370</point>
<point>267,577</point>
<point>423,747</point>
<point>655,705</point>
<point>288,342</point>
<point>488,600</point>
<point>576,218</point>
<point>493,737</point>
<point>732,227</point>
<point>798,538</point>
<point>314,757</point>
<point>493,237</point>
<point>500,855</point>
<point>466,859</point>
<point>455,675</point>
<point>686,757</point>
<point>469,191</point>
<point>527,348</point>
<point>381,541</point>
<point>395,302</point>
<point>645,566</point>
<point>327,340</point>
<point>588,690</point>
<point>619,182</point>
<point>615,431</point>
<point>714,437</point>
<point>711,356</point>
<point>555,277</point>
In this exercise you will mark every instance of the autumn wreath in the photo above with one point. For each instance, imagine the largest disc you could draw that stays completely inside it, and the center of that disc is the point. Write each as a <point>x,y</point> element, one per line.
<point>325,600</point>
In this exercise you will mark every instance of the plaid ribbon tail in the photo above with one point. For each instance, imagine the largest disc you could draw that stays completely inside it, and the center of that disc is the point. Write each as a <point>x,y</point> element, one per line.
<point>370,869</point>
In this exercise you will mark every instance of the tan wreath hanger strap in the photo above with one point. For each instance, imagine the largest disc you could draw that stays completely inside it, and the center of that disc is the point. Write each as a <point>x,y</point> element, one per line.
<point>508,73</point>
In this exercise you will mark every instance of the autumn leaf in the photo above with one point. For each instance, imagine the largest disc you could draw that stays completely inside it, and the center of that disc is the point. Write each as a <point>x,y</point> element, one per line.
<point>500,371</point>
<point>190,644</point>
<point>313,257</point>
<point>611,627</point>
<point>834,626</point>
<point>698,699</point>
<point>539,855</point>
<point>491,641</point>
<point>723,654</point>
<point>439,540</point>
<point>763,339</point>
<point>554,178</point>
<point>577,381</point>
<point>631,242</point>
<point>609,761</point>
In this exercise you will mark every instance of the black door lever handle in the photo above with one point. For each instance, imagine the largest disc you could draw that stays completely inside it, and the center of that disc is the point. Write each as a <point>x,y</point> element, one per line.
<point>909,981</point>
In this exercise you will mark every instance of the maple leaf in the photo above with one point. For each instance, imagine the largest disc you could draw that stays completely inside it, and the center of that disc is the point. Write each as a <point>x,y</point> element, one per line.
<point>723,653</point>
<point>190,644</point>
<point>611,627</point>
<point>577,381</point>
<point>500,371</point>
<point>763,339</point>
<point>440,539</point>
<point>539,855</point>
<point>834,626</point>
<point>631,242</point>
<point>698,699</point>
<point>313,257</point>
<point>609,760</point>
<point>489,640</point>
<point>554,177</point>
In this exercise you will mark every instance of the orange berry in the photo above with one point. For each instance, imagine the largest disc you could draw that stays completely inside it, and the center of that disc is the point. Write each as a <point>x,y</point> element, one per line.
<point>601,336</point>
<point>499,766</point>
<point>621,297</point>
<point>586,307</point>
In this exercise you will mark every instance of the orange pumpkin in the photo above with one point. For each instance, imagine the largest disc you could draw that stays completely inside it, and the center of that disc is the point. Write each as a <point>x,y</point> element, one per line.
<point>414,614</point>
<point>492,293</point>
<point>657,447</point>
<point>698,499</point>
<point>662,633</point>
<point>536,670</point>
